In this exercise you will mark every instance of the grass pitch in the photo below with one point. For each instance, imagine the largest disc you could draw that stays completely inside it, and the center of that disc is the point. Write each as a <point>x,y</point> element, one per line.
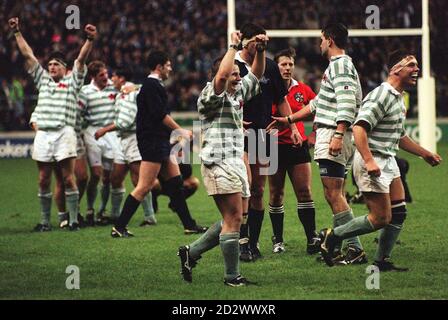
<point>33,265</point>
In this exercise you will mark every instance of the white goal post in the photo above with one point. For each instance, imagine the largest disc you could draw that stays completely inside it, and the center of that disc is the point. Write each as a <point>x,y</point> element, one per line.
<point>426,84</point>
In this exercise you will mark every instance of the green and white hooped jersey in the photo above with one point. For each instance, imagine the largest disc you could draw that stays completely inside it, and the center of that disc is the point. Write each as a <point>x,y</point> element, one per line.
<point>126,110</point>
<point>98,105</point>
<point>222,120</point>
<point>57,101</point>
<point>384,110</point>
<point>340,93</point>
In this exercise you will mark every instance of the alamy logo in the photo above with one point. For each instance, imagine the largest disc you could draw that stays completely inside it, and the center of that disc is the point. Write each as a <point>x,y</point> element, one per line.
<point>373,20</point>
<point>73,20</point>
<point>373,280</point>
<point>73,280</point>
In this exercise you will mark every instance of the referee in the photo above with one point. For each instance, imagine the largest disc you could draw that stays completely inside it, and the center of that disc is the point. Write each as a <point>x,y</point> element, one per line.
<point>154,126</point>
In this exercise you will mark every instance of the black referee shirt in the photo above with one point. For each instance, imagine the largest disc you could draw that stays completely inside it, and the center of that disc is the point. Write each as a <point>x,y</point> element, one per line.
<point>152,107</point>
<point>259,109</point>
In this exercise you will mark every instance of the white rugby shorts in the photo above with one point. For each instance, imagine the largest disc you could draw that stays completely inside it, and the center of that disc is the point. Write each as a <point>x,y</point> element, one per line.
<point>54,145</point>
<point>368,183</point>
<point>228,176</point>
<point>128,150</point>
<point>80,147</point>
<point>100,152</point>
<point>321,148</point>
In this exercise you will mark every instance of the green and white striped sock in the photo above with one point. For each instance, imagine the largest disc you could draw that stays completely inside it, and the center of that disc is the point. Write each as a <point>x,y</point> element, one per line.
<point>45,199</point>
<point>230,248</point>
<point>71,201</point>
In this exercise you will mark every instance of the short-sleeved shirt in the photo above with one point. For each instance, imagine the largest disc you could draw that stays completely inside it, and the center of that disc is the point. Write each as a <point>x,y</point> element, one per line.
<point>126,110</point>
<point>98,105</point>
<point>57,101</point>
<point>384,110</point>
<point>299,95</point>
<point>152,107</point>
<point>340,94</point>
<point>221,116</point>
<point>258,110</point>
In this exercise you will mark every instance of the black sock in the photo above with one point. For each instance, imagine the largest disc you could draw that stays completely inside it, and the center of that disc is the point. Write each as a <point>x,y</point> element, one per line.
<point>277,214</point>
<point>175,190</point>
<point>188,192</point>
<point>244,229</point>
<point>307,216</point>
<point>162,190</point>
<point>130,206</point>
<point>155,204</point>
<point>255,221</point>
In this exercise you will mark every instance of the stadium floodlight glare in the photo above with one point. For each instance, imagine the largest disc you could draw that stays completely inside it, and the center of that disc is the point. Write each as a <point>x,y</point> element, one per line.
<point>426,84</point>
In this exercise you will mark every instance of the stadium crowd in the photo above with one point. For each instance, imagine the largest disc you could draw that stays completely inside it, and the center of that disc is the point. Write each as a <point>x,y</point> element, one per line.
<point>193,32</point>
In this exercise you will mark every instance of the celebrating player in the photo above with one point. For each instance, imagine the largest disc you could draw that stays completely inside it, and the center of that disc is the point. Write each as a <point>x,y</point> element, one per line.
<point>335,108</point>
<point>220,106</point>
<point>55,139</point>
<point>379,133</point>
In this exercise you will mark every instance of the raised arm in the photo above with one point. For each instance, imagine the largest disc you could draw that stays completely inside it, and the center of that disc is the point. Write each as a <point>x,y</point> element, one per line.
<point>86,48</point>
<point>24,48</point>
<point>259,64</point>
<point>226,65</point>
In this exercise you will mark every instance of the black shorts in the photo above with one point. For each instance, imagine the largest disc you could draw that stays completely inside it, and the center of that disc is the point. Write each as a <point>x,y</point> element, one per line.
<point>331,169</point>
<point>259,143</point>
<point>154,150</point>
<point>290,155</point>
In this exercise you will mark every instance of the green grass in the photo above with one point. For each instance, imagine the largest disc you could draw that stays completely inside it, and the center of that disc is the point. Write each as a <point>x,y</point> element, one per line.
<point>33,265</point>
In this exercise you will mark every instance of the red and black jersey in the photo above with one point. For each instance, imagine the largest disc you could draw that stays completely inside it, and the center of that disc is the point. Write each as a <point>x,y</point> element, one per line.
<point>299,95</point>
